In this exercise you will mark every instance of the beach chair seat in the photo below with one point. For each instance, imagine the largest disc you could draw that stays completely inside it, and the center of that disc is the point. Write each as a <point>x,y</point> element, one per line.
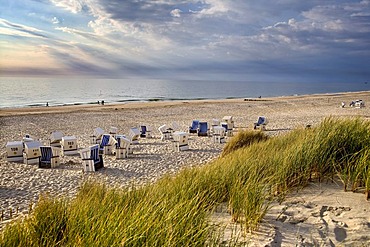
<point>219,134</point>
<point>69,145</point>
<point>180,141</point>
<point>194,126</point>
<point>123,147</point>
<point>106,144</point>
<point>55,138</point>
<point>49,157</point>
<point>31,152</point>
<point>91,159</point>
<point>97,135</point>
<point>203,129</point>
<point>145,131</point>
<point>165,132</point>
<point>261,123</point>
<point>133,135</point>
<point>14,151</point>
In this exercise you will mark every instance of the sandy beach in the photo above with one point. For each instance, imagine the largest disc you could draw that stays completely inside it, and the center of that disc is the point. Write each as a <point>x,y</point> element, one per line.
<point>321,215</point>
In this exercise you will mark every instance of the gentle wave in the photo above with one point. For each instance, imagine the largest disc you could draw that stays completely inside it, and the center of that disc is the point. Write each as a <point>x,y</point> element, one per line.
<point>37,92</point>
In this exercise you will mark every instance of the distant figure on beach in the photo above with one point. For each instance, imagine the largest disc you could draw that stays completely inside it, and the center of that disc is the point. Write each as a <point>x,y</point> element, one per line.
<point>98,102</point>
<point>47,104</point>
<point>102,102</point>
<point>343,104</point>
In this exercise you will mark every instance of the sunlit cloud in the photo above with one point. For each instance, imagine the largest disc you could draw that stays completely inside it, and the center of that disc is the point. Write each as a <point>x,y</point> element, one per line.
<point>231,38</point>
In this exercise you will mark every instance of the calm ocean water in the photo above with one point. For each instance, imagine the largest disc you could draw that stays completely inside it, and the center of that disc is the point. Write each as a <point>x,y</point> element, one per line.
<point>32,92</point>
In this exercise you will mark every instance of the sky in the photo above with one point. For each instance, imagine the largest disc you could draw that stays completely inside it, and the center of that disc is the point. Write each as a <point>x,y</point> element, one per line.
<point>264,40</point>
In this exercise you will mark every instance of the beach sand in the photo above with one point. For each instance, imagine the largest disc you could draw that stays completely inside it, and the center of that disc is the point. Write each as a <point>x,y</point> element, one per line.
<point>322,214</point>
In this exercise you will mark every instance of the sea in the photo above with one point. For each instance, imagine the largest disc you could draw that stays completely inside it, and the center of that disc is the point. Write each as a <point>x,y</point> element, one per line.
<point>36,92</point>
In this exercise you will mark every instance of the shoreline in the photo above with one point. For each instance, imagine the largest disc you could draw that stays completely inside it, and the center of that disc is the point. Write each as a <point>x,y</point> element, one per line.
<point>24,110</point>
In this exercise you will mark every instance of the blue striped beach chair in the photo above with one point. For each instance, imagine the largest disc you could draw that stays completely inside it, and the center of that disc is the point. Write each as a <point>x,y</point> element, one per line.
<point>145,131</point>
<point>194,126</point>
<point>49,157</point>
<point>91,159</point>
<point>203,129</point>
<point>106,144</point>
<point>261,122</point>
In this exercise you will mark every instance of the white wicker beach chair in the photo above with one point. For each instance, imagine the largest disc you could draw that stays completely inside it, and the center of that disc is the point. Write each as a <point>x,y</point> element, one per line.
<point>261,123</point>
<point>133,135</point>
<point>123,148</point>
<point>91,159</point>
<point>56,138</point>
<point>96,137</point>
<point>180,141</point>
<point>31,152</point>
<point>165,132</point>
<point>69,145</point>
<point>219,134</point>
<point>14,151</point>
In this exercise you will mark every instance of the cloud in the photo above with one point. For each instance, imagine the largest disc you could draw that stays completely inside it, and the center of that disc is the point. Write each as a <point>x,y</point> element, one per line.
<point>15,29</point>
<point>176,13</point>
<point>75,6</point>
<point>231,37</point>
<point>55,20</point>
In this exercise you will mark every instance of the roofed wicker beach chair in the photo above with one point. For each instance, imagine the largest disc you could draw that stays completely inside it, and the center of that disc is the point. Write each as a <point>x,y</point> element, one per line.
<point>133,135</point>
<point>145,131</point>
<point>219,134</point>
<point>56,138</point>
<point>69,145</point>
<point>91,159</point>
<point>165,133</point>
<point>194,126</point>
<point>122,147</point>
<point>228,124</point>
<point>261,122</point>
<point>14,151</point>
<point>113,131</point>
<point>106,144</point>
<point>49,157</point>
<point>180,141</point>
<point>215,123</point>
<point>31,152</point>
<point>203,129</point>
<point>96,137</point>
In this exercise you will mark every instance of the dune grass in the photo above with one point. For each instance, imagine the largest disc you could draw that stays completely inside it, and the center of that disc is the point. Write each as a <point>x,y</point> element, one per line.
<point>252,171</point>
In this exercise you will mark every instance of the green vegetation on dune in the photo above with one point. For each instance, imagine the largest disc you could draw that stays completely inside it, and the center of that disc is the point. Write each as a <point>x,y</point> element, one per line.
<point>252,171</point>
